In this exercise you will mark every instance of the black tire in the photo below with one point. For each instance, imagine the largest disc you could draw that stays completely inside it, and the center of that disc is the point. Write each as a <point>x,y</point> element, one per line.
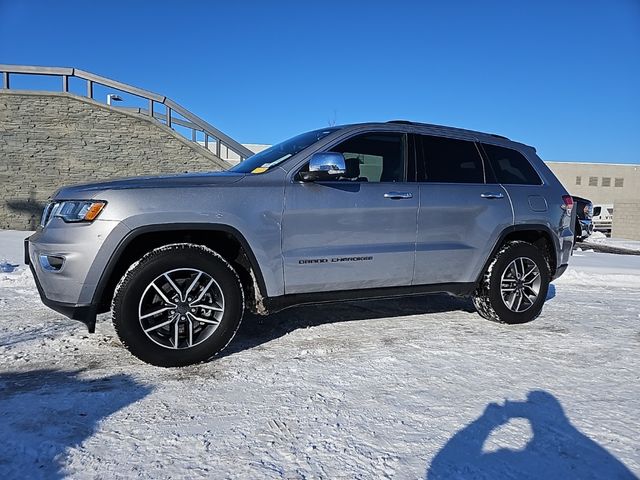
<point>577,232</point>
<point>488,298</point>
<point>134,288</point>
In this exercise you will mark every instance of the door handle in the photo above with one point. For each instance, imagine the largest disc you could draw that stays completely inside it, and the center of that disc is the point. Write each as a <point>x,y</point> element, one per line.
<point>491,195</point>
<point>398,195</point>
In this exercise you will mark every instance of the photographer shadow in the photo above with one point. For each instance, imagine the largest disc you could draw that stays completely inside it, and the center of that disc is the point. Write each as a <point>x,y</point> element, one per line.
<point>557,449</point>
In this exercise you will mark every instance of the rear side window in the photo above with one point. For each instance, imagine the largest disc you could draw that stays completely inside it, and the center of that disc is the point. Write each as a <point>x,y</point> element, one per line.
<point>447,160</point>
<point>510,166</point>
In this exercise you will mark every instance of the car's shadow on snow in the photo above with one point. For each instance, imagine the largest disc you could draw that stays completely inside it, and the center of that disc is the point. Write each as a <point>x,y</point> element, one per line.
<point>551,293</point>
<point>255,331</point>
<point>43,413</point>
<point>556,449</point>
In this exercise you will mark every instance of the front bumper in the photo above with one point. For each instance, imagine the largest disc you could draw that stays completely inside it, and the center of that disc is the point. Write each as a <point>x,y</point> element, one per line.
<point>586,227</point>
<point>84,313</point>
<point>82,252</point>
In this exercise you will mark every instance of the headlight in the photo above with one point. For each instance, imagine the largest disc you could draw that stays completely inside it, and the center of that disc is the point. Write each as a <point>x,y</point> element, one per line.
<point>73,211</point>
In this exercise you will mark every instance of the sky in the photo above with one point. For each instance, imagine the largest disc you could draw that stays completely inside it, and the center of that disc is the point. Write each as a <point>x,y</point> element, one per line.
<point>563,76</point>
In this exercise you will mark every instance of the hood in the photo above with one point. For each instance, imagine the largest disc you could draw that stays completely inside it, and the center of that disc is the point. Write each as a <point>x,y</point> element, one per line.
<point>88,190</point>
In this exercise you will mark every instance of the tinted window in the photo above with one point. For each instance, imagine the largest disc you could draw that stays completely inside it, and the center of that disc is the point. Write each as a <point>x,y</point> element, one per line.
<point>448,160</point>
<point>510,166</point>
<point>373,157</point>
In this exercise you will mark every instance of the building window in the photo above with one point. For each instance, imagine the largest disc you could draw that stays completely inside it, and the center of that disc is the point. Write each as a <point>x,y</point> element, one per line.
<point>606,181</point>
<point>593,181</point>
<point>619,182</point>
<point>578,180</point>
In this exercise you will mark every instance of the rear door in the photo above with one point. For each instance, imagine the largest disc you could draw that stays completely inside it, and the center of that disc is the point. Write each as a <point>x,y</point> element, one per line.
<point>530,198</point>
<point>460,217</point>
<point>356,232</point>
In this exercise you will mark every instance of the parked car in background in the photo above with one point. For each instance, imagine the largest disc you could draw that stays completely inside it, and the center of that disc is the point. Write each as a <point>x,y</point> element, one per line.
<point>584,224</point>
<point>602,218</point>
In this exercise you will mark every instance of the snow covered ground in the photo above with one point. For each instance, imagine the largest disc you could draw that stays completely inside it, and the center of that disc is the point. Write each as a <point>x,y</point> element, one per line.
<point>397,388</point>
<point>599,238</point>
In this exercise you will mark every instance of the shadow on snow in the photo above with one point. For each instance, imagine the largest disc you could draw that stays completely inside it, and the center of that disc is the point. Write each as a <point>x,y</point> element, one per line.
<point>557,449</point>
<point>44,413</point>
<point>255,331</point>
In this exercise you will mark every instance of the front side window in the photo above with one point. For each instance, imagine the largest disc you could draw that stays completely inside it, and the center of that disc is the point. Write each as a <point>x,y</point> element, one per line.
<point>511,167</point>
<point>447,160</point>
<point>373,157</point>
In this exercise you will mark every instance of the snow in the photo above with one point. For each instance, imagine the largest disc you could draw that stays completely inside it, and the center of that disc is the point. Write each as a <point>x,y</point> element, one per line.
<point>599,238</point>
<point>380,389</point>
<point>602,269</point>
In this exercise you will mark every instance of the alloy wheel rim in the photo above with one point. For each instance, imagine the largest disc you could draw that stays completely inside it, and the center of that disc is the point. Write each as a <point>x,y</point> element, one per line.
<point>181,308</point>
<point>520,284</point>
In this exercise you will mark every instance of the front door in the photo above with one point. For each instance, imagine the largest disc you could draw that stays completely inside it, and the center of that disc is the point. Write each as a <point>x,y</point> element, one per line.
<point>355,232</point>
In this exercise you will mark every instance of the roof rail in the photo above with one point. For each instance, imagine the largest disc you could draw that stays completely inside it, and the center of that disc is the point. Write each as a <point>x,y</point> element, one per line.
<point>403,122</point>
<point>191,121</point>
<point>407,122</point>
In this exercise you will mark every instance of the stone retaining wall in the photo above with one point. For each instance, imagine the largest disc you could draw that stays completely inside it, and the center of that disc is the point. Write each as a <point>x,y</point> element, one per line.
<point>52,139</point>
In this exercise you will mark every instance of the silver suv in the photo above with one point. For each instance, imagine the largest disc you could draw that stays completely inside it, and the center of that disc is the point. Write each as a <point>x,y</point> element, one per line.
<point>357,211</point>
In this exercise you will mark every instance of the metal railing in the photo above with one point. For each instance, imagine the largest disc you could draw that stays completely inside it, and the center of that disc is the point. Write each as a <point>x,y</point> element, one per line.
<point>191,121</point>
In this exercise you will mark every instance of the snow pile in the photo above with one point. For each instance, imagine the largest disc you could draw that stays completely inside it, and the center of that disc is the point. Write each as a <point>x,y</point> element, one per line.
<point>13,272</point>
<point>599,238</point>
<point>602,269</point>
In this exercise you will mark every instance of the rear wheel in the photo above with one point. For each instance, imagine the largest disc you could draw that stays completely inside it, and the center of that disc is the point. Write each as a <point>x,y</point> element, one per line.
<point>514,288</point>
<point>180,304</point>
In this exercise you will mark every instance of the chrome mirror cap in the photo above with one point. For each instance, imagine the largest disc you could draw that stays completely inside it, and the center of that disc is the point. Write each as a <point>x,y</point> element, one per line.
<point>324,166</point>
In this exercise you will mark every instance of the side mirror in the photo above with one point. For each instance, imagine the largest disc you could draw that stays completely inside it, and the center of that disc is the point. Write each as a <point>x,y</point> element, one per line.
<point>324,166</point>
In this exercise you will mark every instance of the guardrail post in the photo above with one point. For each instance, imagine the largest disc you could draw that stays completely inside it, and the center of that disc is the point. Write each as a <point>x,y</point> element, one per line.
<point>89,89</point>
<point>168,117</point>
<point>151,108</point>
<point>65,83</point>
<point>5,80</point>
<point>206,140</point>
<point>218,148</point>
<point>193,134</point>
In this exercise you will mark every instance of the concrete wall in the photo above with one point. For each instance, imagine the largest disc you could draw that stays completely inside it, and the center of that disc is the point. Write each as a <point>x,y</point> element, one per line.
<point>52,139</point>
<point>576,177</point>
<point>626,220</point>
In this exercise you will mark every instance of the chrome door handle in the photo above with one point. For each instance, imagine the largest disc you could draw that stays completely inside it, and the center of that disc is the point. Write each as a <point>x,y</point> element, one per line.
<point>491,195</point>
<point>398,195</point>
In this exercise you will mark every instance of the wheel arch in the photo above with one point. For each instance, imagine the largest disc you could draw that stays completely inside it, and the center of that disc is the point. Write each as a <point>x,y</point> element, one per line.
<point>224,239</point>
<point>537,234</point>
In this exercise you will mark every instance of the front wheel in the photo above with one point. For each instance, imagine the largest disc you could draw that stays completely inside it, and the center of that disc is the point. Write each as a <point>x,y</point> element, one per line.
<point>515,285</point>
<point>179,305</point>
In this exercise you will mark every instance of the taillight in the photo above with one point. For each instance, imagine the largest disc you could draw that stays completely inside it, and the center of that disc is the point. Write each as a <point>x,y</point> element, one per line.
<point>568,203</point>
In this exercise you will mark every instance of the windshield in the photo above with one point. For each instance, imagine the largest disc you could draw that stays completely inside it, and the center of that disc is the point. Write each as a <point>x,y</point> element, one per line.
<point>263,161</point>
